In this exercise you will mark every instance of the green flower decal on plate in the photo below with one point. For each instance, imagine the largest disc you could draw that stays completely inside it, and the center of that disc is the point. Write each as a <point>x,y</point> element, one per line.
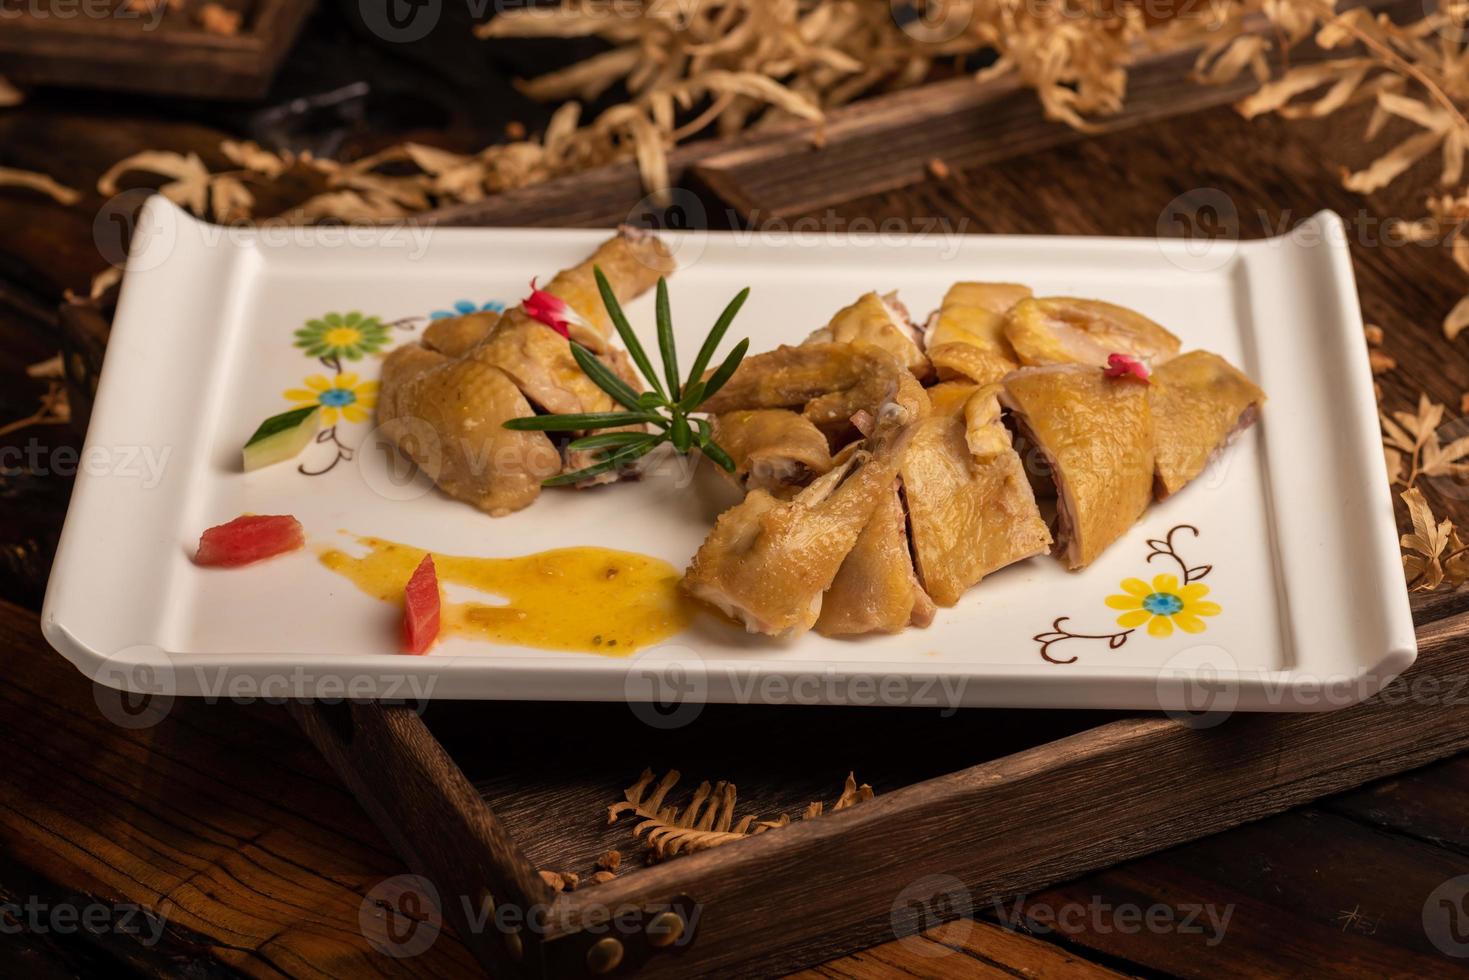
<point>342,335</point>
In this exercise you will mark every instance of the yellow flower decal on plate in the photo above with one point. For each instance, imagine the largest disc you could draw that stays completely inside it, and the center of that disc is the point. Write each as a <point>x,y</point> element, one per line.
<point>340,396</point>
<point>1163,605</point>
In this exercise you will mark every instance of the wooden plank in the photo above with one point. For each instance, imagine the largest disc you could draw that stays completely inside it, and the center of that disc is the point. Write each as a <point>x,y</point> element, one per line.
<point>130,53</point>
<point>220,819</point>
<point>1263,901</point>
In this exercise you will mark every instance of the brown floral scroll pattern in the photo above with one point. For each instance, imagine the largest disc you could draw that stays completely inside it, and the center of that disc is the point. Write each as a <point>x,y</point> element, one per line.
<point>1170,600</point>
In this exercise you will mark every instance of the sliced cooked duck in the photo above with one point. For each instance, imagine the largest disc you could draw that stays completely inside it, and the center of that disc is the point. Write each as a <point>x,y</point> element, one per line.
<point>455,335</point>
<point>1201,402</point>
<point>881,321</point>
<point>965,338</point>
<point>767,561</point>
<point>773,449</point>
<point>445,414</point>
<point>1096,434</point>
<point>970,506</point>
<point>1060,330</point>
<point>876,589</point>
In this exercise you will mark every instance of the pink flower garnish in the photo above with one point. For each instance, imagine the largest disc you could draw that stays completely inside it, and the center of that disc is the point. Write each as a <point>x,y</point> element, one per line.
<point>1126,366</point>
<point>551,310</point>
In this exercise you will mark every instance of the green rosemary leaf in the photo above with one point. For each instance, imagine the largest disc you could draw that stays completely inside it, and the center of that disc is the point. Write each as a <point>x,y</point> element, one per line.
<point>711,342</point>
<point>624,330</point>
<point>571,423</point>
<point>706,430</point>
<point>609,439</point>
<point>678,433</point>
<point>725,371</point>
<point>712,450</point>
<point>665,339</point>
<point>692,395</point>
<point>650,400</point>
<point>603,377</point>
<point>612,462</point>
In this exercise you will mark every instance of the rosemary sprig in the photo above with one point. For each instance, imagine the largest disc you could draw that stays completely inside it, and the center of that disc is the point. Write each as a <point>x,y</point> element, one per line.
<point>667,409</point>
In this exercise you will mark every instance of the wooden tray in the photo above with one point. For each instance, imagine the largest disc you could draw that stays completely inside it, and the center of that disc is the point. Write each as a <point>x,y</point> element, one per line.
<point>175,57</point>
<point>483,796</point>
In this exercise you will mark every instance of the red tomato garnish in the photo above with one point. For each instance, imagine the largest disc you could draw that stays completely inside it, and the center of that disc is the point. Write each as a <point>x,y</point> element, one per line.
<point>421,608</point>
<point>249,538</point>
<point>551,310</point>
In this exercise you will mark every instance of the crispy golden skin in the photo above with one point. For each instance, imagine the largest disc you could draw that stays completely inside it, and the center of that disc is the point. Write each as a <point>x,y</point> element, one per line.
<point>773,449</point>
<point>1061,330</point>
<point>445,414</point>
<point>881,321</point>
<point>1097,434</point>
<point>970,507</point>
<point>876,589</point>
<point>1200,402</point>
<point>455,335</point>
<point>767,561</point>
<point>966,335</point>
<point>632,261</point>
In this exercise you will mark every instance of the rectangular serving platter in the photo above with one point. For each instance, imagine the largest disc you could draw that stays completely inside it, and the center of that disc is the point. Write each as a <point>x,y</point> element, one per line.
<point>1292,528</point>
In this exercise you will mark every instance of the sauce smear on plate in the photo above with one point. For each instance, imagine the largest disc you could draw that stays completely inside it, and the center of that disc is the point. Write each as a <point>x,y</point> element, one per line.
<point>591,600</point>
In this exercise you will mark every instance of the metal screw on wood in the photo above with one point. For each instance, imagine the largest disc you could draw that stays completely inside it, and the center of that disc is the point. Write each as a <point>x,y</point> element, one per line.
<point>665,929</point>
<point>604,955</point>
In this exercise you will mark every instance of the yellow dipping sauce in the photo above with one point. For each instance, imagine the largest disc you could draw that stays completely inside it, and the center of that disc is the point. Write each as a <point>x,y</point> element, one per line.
<point>593,600</point>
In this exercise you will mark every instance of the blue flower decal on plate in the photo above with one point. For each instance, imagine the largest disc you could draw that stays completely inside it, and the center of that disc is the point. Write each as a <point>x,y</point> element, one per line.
<point>463,306</point>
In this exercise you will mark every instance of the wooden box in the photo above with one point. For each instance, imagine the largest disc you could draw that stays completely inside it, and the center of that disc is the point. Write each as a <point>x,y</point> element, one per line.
<point>103,44</point>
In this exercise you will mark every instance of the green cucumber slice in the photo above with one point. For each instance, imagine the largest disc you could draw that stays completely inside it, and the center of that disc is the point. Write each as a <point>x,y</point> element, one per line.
<point>282,437</point>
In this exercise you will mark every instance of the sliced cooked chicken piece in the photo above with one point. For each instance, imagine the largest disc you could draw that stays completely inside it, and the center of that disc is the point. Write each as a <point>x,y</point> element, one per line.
<point>632,261</point>
<point>539,360</point>
<point>966,361</point>
<point>455,382</point>
<point>445,414</point>
<point>773,449</point>
<point>876,589</point>
<point>973,313</point>
<point>949,397</point>
<point>832,381</point>
<point>455,335</point>
<point>767,562</point>
<point>1200,403</point>
<point>1060,330</point>
<point>881,321</point>
<point>970,507</point>
<point>965,337</point>
<point>1096,433</point>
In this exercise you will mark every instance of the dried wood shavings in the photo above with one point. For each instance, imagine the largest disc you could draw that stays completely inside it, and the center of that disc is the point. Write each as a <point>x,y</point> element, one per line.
<point>610,860</point>
<point>54,408</point>
<point>939,169</point>
<point>708,820</point>
<point>9,94</point>
<point>602,876</point>
<point>1373,333</point>
<point>218,19</point>
<point>1381,362</point>
<point>560,881</point>
<point>41,183</point>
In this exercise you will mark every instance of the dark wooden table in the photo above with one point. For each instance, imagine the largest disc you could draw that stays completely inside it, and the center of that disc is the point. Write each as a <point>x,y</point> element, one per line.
<point>223,821</point>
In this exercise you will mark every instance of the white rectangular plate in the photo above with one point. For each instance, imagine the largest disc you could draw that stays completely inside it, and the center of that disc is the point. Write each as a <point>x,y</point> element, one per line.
<point>1294,522</point>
